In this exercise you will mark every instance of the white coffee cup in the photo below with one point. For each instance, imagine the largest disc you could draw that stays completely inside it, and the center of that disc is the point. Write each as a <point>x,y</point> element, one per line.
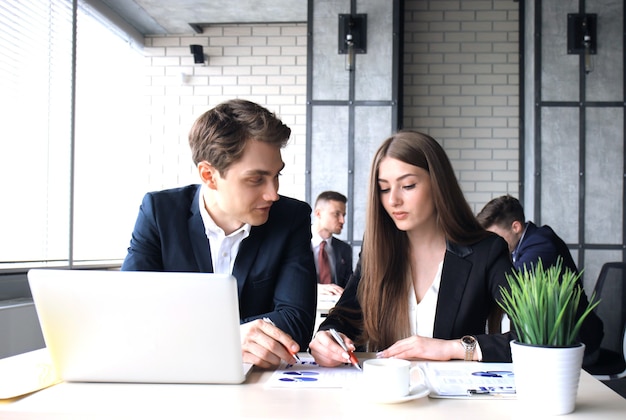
<point>387,378</point>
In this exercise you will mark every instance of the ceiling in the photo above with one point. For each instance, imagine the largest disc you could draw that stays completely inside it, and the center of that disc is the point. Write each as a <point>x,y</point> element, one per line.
<point>157,17</point>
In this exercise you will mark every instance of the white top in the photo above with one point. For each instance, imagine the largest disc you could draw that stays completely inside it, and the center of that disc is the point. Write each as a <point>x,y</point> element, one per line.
<point>422,315</point>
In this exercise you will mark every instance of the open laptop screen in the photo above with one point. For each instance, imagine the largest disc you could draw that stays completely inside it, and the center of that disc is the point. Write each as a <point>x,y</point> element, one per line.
<point>152,327</point>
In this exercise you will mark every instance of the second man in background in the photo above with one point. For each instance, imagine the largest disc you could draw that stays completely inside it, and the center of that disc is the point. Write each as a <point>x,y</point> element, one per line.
<point>333,257</point>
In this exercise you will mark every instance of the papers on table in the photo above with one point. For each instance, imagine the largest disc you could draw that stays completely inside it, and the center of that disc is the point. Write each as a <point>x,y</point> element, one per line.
<point>455,379</point>
<point>469,379</point>
<point>308,374</point>
<point>26,373</point>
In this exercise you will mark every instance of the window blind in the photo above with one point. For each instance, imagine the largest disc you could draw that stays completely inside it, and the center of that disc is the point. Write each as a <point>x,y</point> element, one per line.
<point>71,176</point>
<point>35,80</point>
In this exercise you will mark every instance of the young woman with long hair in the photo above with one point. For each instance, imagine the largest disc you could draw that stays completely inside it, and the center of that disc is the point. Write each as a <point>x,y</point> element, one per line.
<point>428,276</point>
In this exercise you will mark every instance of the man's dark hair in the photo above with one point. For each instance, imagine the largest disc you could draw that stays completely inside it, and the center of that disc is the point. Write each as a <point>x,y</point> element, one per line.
<point>331,196</point>
<point>502,212</point>
<point>220,135</point>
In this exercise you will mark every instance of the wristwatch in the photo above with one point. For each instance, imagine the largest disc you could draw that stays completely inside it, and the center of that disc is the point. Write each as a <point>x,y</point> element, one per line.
<point>469,344</point>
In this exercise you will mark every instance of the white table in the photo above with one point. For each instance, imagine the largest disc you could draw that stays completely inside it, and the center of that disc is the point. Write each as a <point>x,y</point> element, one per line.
<point>253,400</point>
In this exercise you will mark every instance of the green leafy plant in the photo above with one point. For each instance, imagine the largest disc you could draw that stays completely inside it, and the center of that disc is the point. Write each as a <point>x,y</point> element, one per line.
<point>542,304</point>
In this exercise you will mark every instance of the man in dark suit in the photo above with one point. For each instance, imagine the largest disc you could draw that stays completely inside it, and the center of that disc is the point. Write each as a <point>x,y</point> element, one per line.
<point>235,222</point>
<point>528,243</point>
<point>328,219</point>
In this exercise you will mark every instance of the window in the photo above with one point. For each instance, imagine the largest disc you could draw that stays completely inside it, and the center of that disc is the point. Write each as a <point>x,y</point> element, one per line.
<point>73,150</point>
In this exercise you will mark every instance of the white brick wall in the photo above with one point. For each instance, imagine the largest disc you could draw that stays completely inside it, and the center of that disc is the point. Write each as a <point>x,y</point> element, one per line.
<point>461,86</point>
<point>262,63</point>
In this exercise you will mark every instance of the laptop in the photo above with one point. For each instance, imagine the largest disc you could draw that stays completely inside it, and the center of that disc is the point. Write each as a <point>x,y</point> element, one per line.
<point>140,327</point>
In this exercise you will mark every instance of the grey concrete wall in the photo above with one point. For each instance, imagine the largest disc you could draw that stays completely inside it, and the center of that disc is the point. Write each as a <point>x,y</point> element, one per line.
<point>576,184</point>
<point>350,112</point>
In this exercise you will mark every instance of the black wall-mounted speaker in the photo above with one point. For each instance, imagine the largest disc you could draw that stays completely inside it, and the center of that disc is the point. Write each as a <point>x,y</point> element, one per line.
<point>198,53</point>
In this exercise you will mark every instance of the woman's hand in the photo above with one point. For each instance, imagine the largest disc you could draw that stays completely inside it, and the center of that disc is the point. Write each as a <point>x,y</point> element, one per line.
<point>424,348</point>
<point>327,352</point>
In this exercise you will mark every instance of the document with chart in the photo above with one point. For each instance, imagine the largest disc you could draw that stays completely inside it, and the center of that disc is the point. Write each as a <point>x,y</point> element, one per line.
<point>308,374</point>
<point>458,379</point>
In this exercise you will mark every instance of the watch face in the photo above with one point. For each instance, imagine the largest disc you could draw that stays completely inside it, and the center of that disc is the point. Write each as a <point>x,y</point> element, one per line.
<point>468,341</point>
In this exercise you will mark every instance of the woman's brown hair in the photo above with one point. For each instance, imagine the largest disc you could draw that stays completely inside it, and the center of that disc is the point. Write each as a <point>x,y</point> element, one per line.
<point>386,271</point>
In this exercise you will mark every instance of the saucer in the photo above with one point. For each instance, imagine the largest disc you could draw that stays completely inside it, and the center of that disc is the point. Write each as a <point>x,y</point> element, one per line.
<point>418,391</point>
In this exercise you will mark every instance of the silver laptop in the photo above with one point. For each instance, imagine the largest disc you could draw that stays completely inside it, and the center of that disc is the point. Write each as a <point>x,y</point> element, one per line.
<point>144,327</point>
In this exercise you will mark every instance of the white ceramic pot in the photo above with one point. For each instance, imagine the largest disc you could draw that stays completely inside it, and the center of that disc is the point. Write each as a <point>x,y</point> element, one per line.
<point>546,378</point>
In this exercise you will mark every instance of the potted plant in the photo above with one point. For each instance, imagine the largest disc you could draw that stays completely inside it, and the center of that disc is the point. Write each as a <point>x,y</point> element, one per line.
<point>542,304</point>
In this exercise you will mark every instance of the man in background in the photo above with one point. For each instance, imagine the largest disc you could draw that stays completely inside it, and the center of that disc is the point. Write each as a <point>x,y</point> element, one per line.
<point>528,243</point>
<point>333,257</point>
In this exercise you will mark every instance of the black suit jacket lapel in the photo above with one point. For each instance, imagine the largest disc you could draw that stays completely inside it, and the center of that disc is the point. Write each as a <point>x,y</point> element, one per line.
<point>198,238</point>
<point>340,259</point>
<point>454,278</point>
<point>336,252</point>
<point>248,251</point>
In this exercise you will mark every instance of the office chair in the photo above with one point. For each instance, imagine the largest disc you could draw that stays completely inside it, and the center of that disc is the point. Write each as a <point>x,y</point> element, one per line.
<point>611,290</point>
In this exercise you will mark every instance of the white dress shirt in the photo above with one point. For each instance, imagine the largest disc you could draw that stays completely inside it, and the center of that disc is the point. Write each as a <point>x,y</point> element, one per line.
<point>224,247</point>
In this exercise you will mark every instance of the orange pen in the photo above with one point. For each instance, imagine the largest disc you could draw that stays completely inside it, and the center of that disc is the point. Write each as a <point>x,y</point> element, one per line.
<point>339,340</point>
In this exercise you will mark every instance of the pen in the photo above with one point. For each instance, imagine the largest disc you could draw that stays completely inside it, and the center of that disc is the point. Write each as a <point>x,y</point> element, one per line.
<point>295,355</point>
<point>339,340</point>
<point>491,390</point>
<point>493,373</point>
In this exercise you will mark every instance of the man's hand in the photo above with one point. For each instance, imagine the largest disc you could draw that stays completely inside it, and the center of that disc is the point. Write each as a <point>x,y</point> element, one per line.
<point>329,289</point>
<point>265,345</point>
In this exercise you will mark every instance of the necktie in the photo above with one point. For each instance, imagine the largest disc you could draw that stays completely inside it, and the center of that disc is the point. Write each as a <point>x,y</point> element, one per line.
<point>323,265</point>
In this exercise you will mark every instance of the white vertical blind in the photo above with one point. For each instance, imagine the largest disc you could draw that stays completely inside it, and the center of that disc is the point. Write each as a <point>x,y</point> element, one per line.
<point>35,136</point>
<point>35,81</point>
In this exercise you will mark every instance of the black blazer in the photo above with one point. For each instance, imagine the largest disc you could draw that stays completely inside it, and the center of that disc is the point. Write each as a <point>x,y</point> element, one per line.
<point>470,286</point>
<point>342,252</point>
<point>274,267</point>
<point>542,242</point>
